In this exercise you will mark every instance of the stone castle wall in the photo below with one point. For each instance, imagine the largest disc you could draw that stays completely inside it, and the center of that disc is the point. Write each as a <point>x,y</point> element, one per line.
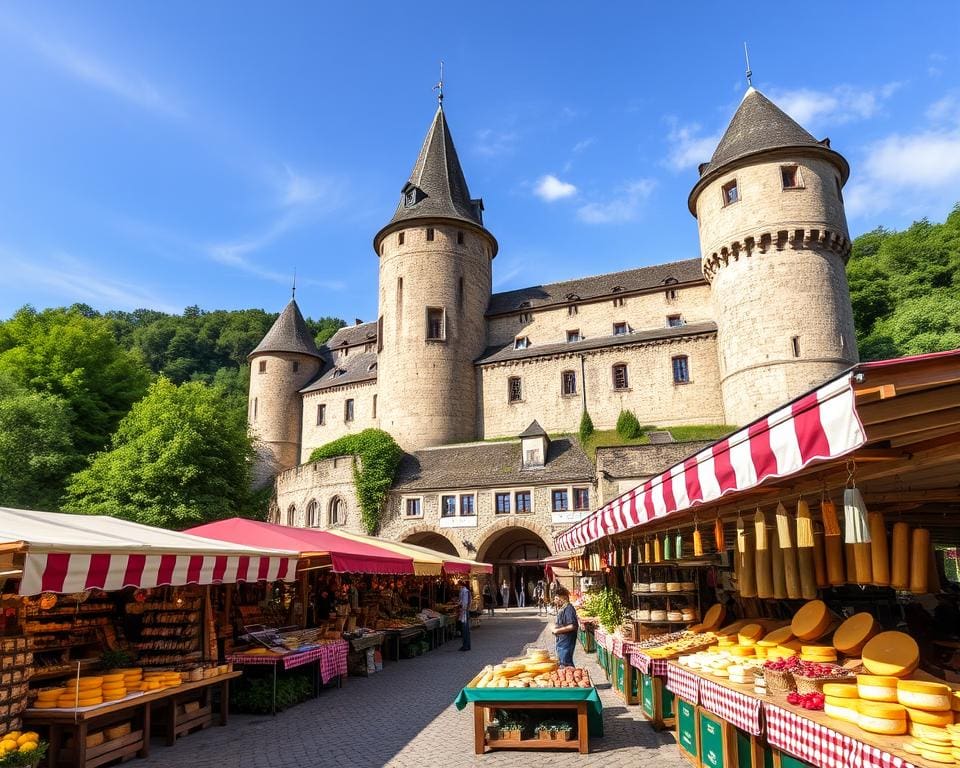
<point>319,481</point>
<point>366,404</point>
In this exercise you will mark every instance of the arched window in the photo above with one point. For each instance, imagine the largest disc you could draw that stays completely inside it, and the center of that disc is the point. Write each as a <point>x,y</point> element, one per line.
<point>312,521</point>
<point>292,514</point>
<point>338,511</point>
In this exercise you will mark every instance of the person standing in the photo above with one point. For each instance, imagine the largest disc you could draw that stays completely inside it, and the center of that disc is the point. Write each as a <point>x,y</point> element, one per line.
<point>521,594</point>
<point>488,600</point>
<point>539,595</point>
<point>465,615</point>
<point>565,627</point>
<point>505,593</point>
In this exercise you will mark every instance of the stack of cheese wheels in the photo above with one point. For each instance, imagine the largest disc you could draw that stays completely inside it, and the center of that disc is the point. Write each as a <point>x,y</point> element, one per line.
<point>48,698</point>
<point>114,686</point>
<point>854,633</point>
<point>749,634</point>
<point>812,621</point>
<point>840,700</point>
<point>85,692</point>
<point>893,654</point>
<point>877,687</point>
<point>926,703</point>
<point>938,745</point>
<point>882,717</point>
<point>820,654</point>
<point>132,677</point>
<point>742,651</point>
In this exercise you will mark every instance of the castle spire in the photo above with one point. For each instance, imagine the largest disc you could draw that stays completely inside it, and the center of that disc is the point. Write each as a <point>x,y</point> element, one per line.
<point>289,333</point>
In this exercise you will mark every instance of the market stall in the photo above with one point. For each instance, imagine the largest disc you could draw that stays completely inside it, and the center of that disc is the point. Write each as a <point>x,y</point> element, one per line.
<point>837,511</point>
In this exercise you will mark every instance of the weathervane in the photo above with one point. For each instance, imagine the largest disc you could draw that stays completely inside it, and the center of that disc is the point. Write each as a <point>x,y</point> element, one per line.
<point>293,293</point>
<point>439,87</point>
<point>746,55</point>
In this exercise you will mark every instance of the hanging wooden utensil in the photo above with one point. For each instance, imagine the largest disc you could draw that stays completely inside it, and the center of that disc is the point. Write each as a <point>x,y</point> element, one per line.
<point>763,556</point>
<point>805,552</point>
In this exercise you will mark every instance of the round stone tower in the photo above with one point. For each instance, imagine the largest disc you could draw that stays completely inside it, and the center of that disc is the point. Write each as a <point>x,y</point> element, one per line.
<point>435,284</point>
<point>774,245</point>
<point>282,364</point>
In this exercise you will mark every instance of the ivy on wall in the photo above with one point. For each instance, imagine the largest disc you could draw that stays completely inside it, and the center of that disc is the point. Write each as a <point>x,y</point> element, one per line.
<point>373,476</point>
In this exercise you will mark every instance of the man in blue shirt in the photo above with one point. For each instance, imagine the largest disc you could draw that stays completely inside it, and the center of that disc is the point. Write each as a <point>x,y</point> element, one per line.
<point>566,627</point>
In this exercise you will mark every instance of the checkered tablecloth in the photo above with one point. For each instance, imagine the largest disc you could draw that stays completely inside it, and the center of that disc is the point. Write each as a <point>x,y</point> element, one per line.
<point>243,658</point>
<point>810,741</point>
<point>333,660</point>
<point>616,646</point>
<point>683,683</point>
<point>733,706</point>
<point>656,667</point>
<point>874,757</point>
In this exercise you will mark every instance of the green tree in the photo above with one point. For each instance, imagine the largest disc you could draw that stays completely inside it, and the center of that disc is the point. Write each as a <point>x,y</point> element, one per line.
<point>324,328</point>
<point>36,454</point>
<point>178,459</point>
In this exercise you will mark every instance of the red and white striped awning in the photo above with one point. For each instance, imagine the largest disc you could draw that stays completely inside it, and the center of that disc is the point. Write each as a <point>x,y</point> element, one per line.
<point>822,424</point>
<point>72,553</point>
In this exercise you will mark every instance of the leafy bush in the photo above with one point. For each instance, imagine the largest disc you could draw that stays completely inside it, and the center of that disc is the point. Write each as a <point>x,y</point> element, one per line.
<point>586,426</point>
<point>379,457</point>
<point>607,606</point>
<point>628,426</point>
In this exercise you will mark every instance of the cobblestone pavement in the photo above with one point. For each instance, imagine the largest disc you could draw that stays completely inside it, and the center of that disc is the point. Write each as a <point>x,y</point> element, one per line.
<point>404,717</point>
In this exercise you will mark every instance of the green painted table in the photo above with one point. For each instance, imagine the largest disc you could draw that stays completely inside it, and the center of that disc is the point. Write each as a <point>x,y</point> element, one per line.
<point>585,701</point>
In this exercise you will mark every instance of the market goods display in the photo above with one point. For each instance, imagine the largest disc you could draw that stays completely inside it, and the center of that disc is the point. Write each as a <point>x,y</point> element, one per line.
<point>854,633</point>
<point>895,654</point>
<point>812,700</point>
<point>538,669</point>
<point>27,745</point>
<point>812,621</point>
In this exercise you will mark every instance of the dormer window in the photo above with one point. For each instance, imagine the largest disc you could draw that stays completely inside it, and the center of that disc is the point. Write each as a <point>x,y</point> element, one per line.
<point>790,176</point>
<point>411,197</point>
<point>521,342</point>
<point>574,336</point>
<point>523,305</point>
<point>731,193</point>
<point>372,367</point>
<point>338,372</point>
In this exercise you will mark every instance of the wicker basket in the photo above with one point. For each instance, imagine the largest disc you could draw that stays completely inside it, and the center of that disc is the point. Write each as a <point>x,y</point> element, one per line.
<point>779,681</point>
<point>815,684</point>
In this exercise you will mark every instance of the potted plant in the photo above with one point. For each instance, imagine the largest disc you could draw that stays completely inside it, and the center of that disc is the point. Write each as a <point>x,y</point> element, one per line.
<point>563,732</point>
<point>511,731</point>
<point>543,732</point>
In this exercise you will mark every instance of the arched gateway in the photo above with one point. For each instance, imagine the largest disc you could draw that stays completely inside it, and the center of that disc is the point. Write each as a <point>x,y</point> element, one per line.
<point>516,553</point>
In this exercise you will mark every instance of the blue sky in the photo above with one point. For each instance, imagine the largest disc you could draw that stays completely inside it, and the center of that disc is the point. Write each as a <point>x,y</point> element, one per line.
<point>169,154</point>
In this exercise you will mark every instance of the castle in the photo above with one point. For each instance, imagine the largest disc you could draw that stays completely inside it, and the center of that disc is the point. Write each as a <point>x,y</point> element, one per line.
<point>761,316</point>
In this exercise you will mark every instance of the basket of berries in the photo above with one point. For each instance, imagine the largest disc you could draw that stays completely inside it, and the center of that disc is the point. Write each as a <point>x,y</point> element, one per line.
<point>812,701</point>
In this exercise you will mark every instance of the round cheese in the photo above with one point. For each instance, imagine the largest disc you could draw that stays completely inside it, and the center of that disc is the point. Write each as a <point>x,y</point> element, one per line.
<point>919,730</point>
<point>937,719</point>
<point>839,701</point>
<point>85,683</point>
<point>742,651</point>
<point>853,633</point>
<point>955,701</point>
<point>875,688</point>
<point>826,651</point>
<point>714,617</point>
<point>782,635</point>
<point>811,621</point>
<point>841,690</point>
<point>750,632</point>
<point>910,747</point>
<point>891,653</point>
<point>936,757</point>
<point>886,726</point>
<point>840,713</point>
<point>934,697</point>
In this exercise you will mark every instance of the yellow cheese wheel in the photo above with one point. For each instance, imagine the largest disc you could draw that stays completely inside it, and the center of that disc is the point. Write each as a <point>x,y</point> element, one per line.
<point>854,632</point>
<point>847,714</point>
<point>909,746</point>
<point>750,632</point>
<point>879,551</point>
<point>877,688</point>
<point>714,617</point>
<point>112,677</point>
<point>917,694</point>
<point>820,560</point>
<point>818,650</point>
<point>936,757</point>
<point>54,704</point>
<point>841,690</point>
<point>811,621</point>
<point>939,746</point>
<point>886,726</point>
<point>920,731</point>
<point>85,683</point>
<point>839,701</point>
<point>919,554</point>
<point>891,653</point>
<point>834,551</point>
<point>742,651</point>
<point>938,719</point>
<point>781,635</point>
<point>900,556</point>
<point>955,701</point>
<point>882,709</point>
<point>50,694</point>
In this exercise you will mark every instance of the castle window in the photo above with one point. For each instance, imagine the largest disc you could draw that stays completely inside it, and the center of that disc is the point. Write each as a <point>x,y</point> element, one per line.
<point>839,188</point>
<point>321,414</point>
<point>525,317</point>
<point>292,514</point>
<point>430,233</point>
<point>560,500</point>
<point>568,383</point>
<point>460,293</point>
<point>573,336</point>
<point>581,499</point>
<point>671,294</point>
<point>435,324</point>
<point>619,329</point>
<point>620,378</point>
<point>459,238</point>
<point>348,410</point>
<point>795,346</point>
<point>338,511</point>
<point>572,310</point>
<point>523,502</point>
<point>502,503</point>
<point>619,301</point>
<point>674,321</point>
<point>730,192</point>
<point>514,389</point>
<point>400,238</point>
<point>380,334</point>
<point>312,521</point>
<point>414,507</point>
<point>681,370</point>
<point>467,505</point>
<point>296,366</point>
<point>790,176</point>
<point>374,406</point>
<point>521,342</point>
<point>411,197</point>
<point>263,366</point>
<point>448,506</point>
<point>255,403</point>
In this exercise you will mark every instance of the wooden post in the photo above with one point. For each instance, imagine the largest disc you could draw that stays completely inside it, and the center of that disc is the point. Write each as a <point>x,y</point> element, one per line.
<point>479,730</point>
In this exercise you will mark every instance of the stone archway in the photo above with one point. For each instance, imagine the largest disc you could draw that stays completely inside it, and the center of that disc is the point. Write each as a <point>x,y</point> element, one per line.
<point>515,551</point>
<point>432,540</point>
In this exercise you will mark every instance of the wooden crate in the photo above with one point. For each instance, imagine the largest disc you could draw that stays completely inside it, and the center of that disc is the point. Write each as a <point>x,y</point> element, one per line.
<point>656,702</point>
<point>718,740</point>
<point>122,749</point>
<point>688,731</point>
<point>625,680</point>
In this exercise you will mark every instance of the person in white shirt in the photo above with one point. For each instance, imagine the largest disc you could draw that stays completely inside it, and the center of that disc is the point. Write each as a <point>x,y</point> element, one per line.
<point>465,615</point>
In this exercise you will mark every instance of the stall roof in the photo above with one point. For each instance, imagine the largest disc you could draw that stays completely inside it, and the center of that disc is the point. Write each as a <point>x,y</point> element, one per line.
<point>72,553</point>
<point>426,562</point>
<point>898,421</point>
<point>347,555</point>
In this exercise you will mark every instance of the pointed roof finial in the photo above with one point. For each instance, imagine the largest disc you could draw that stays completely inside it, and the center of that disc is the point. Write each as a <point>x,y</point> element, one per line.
<point>293,293</point>
<point>746,55</point>
<point>439,87</point>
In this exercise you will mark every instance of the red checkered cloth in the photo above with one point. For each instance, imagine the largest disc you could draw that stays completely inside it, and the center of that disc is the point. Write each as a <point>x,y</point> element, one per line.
<point>243,658</point>
<point>333,660</point>
<point>733,706</point>
<point>629,648</point>
<point>617,646</point>
<point>810,741</point>
<point>683,683</point>
<point>600,635</point>
<point>655,667</point>
<point>874,757</point>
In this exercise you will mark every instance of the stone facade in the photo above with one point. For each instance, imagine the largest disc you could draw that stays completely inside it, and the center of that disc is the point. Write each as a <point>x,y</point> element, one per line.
<point>331,413</point>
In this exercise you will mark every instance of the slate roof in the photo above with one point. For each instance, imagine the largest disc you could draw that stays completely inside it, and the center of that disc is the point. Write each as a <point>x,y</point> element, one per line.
<point>597,286</point>
<point>440,187</point>
<point>507,352</point>
<point>289,333</point>
<point>490,465</point>
<point>534,430</point>
<point>351,369</point>
<point>352,335</point>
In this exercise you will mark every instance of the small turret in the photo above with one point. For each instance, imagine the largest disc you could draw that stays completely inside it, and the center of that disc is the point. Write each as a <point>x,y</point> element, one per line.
<point>280,365</point>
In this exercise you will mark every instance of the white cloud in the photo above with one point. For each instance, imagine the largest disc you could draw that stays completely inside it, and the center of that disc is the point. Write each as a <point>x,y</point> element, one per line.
<point>491,143</point>
<point>550,188</point>
<point>688,148</point>
<point>841,104</point>
<point>945,110</point>
<point>625,206</point>
<point>583,144</point>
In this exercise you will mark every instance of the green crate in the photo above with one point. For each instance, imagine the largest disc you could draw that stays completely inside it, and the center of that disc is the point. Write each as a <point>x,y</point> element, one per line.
<point>688,735</point>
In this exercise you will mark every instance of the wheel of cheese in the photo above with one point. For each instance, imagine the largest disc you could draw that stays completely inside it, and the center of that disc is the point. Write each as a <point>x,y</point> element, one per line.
<point>877,687</point>
<point>921,731</point>
<point>955,703</point>
<point>878,717</point>
<point>854,633</point>
<point>38,704</point>
<point>944,747</point>
<point>50,694</point>
<point>847,714</point>
<point>714,617</point>
<point>841,691</point>
<point>812,621</point>
<point>895,654</point>
<point>778,636</point>
<point>85,683</point>
<point>931,697</point>
<point>751,632</point>
<point>742,651</point>
<point>909,746</point>
<point>936,757</point>
<point>924,717</point>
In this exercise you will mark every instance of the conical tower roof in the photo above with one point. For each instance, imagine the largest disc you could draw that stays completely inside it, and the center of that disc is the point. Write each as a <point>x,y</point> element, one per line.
<point>437,187</point>
<point>760,126</point>
<point>289,333</point>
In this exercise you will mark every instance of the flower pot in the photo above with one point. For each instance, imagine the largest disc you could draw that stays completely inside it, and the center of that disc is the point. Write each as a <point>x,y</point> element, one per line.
<point>562,735</point>
<point>544,735</point>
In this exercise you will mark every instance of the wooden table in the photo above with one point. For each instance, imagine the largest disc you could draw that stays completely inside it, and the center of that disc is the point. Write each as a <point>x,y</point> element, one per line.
<point>64,723</point>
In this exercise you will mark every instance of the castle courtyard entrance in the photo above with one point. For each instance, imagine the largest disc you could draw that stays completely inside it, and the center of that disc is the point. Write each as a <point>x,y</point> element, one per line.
<point>435,541</point>
<point>516,554</point>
